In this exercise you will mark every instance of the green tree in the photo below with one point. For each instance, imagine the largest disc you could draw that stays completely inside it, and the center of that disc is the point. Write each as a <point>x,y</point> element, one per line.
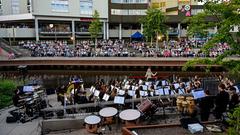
<point>154,24</point>
<point>234,122</point>
<point>95,27</point>
<point>6,91</point>
<point>226,16</point>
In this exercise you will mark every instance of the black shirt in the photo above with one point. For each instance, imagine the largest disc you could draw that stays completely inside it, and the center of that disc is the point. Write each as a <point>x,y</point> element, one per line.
<point>222,100</point>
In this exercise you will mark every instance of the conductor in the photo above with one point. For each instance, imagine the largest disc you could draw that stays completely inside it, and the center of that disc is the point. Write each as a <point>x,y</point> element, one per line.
<point>149,74</point>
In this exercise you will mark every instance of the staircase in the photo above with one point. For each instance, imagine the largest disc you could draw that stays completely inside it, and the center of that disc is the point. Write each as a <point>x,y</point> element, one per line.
<point>12,49</point>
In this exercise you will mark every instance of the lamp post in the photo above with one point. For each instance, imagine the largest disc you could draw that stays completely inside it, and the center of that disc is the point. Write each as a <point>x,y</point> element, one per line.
<point>159,37</point>
<point>51,26</point>
<point>73,40</point>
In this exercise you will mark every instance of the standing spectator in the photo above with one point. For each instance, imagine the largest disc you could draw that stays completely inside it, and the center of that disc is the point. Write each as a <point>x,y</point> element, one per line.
<point>206,104</point>
<point>222,100</point>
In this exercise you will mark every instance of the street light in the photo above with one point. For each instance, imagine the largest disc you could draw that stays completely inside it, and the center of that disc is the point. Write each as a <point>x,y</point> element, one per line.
<point>51,26</point>
<point>159,37</point>
<point>73,40</point>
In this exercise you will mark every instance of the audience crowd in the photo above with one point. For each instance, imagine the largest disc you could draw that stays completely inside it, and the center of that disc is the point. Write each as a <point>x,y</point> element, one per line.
<point>119,48</point>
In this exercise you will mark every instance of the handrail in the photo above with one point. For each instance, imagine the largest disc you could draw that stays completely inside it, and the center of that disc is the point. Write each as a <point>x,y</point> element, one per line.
<point>6,46</point>
<point>78,106</point>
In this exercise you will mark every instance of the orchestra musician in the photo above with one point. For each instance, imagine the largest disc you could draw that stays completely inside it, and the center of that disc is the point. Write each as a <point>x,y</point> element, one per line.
<point>149,74</point>
<point>206,104</point>
<point>16,98</point>
<point>234,98</point>
<point>221,102</point>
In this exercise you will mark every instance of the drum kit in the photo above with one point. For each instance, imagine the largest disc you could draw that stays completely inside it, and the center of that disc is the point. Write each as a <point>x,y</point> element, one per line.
<point>29,107</point>
<point>185,104</point>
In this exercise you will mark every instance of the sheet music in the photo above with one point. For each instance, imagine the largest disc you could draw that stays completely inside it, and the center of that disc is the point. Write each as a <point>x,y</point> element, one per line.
<point>198,94</point>
<point>176,85</point>
<point>92,89</point>
<point>151,93</point>
<point>142,93</point>
<point>166,91</point>
<point>140,82</point>
<point>147,83</point>
<point>28,89</point>
<point>96,93</point>
<point>119,100</point>
<point>181,91</point>
<point>145,87</point>
<point>157,82</point>
<point>121,92</point>
<point>131,92</point>
<point>157,92</point>
<point>161,92</point>
<point>112,87</point>
<point>164,83</point>
<point>172,92</point>
<point>106,97</point>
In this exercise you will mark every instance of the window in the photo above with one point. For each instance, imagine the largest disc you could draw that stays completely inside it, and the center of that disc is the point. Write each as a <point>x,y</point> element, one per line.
<point>60,5</point>
<point>86,7</point>
<point>196,11</point>
<point>128,12</point>
<point>29,6</point>
<point>129,1</point>
<point>15,7</point>
<point>0,7</point>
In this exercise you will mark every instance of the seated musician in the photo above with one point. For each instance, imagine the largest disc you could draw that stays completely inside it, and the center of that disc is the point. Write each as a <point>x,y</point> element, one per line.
<point>81,97</point>
<point>16,97</point>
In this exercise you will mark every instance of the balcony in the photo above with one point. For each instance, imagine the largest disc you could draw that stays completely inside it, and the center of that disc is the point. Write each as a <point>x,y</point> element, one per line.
<point>17,32</point>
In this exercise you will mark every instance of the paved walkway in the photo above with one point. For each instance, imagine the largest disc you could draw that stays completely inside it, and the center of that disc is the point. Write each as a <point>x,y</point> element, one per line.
<point>29,128</point>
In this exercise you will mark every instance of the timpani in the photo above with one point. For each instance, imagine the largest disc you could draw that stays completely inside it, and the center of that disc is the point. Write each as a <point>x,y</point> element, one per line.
<point>108,113</point>
<point>92,122</point>
<point>130,116</point>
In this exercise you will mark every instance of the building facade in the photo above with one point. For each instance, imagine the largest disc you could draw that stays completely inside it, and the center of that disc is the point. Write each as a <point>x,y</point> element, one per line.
<point>42,19</point>
<point>65,19</point>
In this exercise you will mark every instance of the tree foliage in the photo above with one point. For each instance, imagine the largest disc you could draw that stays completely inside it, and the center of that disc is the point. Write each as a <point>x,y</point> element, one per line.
<point>226,17</point>
<point>154,23</point>
<point>6,91</point>
<point>234,122</point>
<point>95,25</point>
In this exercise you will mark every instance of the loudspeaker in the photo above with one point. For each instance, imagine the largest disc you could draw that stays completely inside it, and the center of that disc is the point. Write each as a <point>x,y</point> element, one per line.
<point>11,119</point>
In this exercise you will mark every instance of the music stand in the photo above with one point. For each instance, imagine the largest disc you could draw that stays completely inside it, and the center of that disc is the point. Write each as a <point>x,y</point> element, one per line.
<point>106,97</point>
<point>131,93</point>
<point>119,100</point>
<point>198,94</point>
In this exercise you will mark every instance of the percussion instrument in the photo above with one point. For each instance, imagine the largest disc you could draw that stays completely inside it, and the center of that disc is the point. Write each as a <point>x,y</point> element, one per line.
<point>108,114</point>
<point>92,122</point>
<point>145,106</point>
<point>129,114</point>
<point>191,104</point>
<point>179,101</point>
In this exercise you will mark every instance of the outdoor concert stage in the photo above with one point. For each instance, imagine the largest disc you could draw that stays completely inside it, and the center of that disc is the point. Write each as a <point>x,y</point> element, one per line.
<point>35,127</point>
